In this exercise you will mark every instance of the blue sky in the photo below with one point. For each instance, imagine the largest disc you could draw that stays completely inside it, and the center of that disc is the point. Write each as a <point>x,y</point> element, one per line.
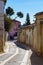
<point>25,6</point>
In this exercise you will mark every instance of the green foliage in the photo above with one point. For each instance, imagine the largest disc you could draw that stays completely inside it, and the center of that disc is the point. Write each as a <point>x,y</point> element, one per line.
<point>24,24</point>
<point>7,19</point>
<point>27,19</point>
<point>27,22</point>
<point>7,23</point>
<point>20,14</point>
<point>9,11</point>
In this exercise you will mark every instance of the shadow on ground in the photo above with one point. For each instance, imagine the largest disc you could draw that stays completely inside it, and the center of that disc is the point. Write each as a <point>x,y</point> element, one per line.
<point>35,59</point>
<point>23,46</point>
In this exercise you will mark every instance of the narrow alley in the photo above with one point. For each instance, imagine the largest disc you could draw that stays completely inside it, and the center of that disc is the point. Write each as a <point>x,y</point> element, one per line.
<point>20,54</point>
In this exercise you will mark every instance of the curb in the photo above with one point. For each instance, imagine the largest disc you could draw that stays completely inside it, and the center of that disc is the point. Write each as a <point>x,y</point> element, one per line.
<point>6,49</point>
<point>27,55</point>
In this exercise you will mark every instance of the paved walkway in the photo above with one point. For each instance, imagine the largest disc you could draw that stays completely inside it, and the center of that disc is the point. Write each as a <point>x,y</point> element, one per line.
<point>18,59</point>
<point>11,51</point>
<point>25,55</point>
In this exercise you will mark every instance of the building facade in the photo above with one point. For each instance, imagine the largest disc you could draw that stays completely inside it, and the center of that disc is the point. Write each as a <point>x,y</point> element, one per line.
<point>13,28</point>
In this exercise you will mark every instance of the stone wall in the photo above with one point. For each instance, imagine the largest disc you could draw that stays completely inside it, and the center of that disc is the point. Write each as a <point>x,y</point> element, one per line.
<point>1,25</point>
<point>33,35</point>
